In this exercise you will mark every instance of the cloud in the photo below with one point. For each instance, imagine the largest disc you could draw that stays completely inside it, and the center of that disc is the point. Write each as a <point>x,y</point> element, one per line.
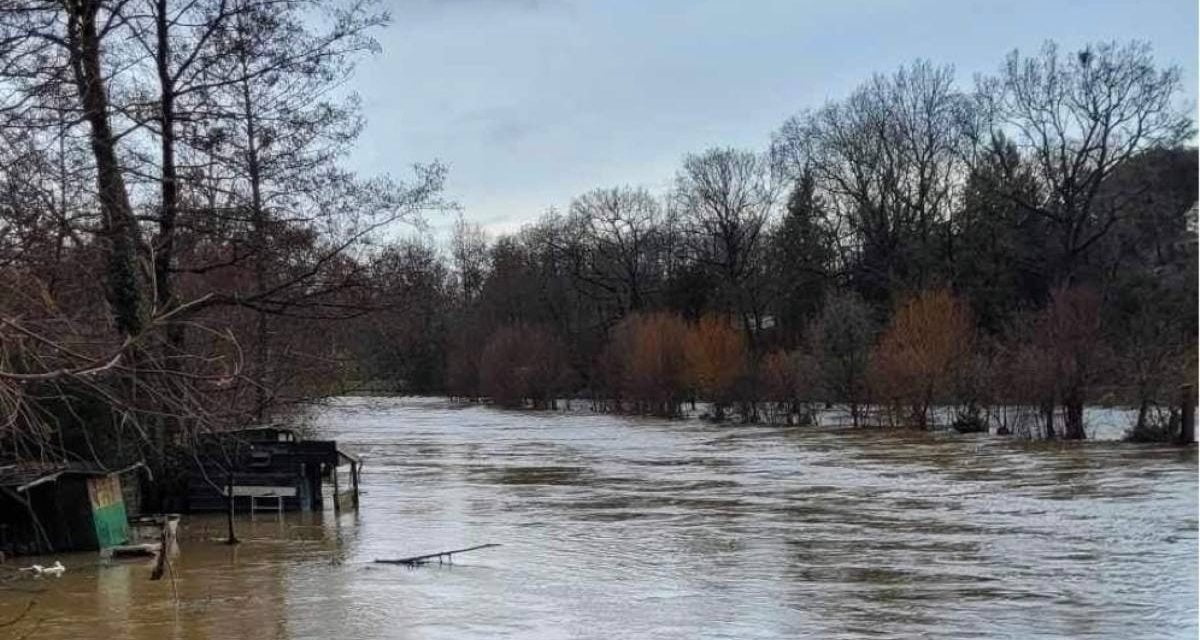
<point>503,126</point>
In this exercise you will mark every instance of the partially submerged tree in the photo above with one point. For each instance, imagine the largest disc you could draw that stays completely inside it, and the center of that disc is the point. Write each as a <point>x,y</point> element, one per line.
<point>646,363</point>
<point>403,343</point>
<point>841,338</point>
<point>717,359</point>
<point>1070,332</point>
<point>524,364</point>
<point>788,383</point>
<point>922,352</point>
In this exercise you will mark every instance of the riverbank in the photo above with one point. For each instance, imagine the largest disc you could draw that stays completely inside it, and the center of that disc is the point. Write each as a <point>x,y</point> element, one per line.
<point>1101,423</point>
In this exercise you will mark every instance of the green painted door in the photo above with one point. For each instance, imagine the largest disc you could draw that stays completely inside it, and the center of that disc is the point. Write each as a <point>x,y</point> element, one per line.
<point>108,511</point>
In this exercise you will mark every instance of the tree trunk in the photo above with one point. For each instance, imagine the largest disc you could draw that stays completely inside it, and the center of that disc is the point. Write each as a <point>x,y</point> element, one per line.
<point>1187,415</point>
<point>1143,411</point>
<point>119,229</point>
<point>1073,428</point>
<point>1048,418</point>
<point>262,329</point>
<point>165,251</point>
<point>232,537</point>
<point>164,257</point>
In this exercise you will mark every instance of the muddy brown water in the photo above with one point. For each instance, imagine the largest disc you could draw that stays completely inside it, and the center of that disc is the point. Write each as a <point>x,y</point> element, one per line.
<point>617,527</point>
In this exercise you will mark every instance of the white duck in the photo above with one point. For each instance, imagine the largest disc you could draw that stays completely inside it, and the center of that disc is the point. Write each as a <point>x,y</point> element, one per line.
<point>55,570</point>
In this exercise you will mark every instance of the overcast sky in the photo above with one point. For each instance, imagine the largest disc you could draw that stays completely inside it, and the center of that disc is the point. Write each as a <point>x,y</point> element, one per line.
<point>531,102</point>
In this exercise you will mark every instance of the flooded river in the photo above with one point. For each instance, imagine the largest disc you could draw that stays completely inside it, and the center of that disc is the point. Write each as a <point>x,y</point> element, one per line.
<point>632,528</point>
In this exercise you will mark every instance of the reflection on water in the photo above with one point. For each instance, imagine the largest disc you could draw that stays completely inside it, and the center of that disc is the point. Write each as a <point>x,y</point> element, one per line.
<point>629,528</point>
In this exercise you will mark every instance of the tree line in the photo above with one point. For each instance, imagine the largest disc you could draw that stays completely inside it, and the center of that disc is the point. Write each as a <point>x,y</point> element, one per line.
<point>183,250</point>
<point>1009,252</point>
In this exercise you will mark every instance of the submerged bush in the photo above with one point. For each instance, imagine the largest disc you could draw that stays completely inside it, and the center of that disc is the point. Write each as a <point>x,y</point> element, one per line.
<point>1160,425</point>
<point>645,363</point>
<point>524,364</point>
<point>787,382</point>
<point>840,339</point>
<point>716,361</point>
<point>922,352</point>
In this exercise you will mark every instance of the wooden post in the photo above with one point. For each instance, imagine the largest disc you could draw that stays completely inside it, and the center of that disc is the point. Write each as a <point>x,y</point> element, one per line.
<point>229,513</point>
<point>337,504</point>
<point>354,479</point>
<point>1187,414</point>
<point>314,480</point>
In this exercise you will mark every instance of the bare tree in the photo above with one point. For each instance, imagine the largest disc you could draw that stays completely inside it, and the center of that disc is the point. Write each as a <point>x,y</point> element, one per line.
<point>724,198</point>
<point>56,65</point>
<point>1071,333</point>
<point>211,124</point>
<point>888,161</point>
<point>1075,118</point>
<point>469,250</point>
<point>841,338</point>
<point>623,235</point>
<point>276,221</point>
<point>524,363</point>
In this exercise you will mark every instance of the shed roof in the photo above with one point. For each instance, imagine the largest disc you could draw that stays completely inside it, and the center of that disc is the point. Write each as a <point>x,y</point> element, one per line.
<point>269,432</point>
<point>23,476</point>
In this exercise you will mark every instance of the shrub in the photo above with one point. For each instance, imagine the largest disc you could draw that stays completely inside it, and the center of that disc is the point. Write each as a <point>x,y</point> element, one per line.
<point>841,338</point>
<point>974,391</point>
<point>1070,333</point>
<point>1157,425</point>
<point>925,346</point>
<point>716,360</point>
<point>645,362</point>
<point>462,369</point>
<point>523,364</point>
<point>787,383</point>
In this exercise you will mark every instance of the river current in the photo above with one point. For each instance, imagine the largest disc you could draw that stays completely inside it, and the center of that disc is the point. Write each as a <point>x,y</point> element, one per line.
<point>617,527</point>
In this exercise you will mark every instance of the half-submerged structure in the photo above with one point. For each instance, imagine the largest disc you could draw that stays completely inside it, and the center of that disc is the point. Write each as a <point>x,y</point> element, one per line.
<point>54,507</point>
<point>270,468</point>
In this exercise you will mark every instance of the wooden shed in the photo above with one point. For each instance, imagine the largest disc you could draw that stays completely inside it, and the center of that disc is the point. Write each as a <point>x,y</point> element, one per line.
<point>269,468</point>
<point>47,508</point>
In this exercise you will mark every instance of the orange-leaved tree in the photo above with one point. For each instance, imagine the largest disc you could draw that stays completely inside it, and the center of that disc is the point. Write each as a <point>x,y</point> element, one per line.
<point>649,349</point>
<point>928,339</point>
<point>716,360</point>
